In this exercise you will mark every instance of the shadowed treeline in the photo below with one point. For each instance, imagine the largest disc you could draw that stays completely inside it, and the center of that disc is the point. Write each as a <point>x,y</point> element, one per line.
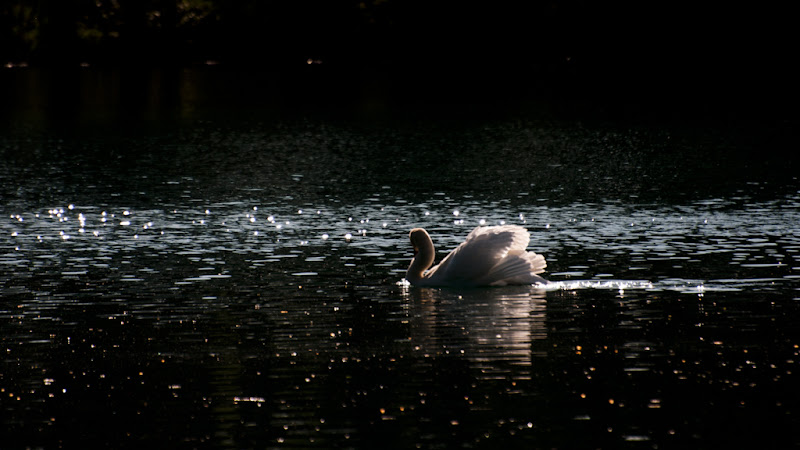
<point>286,32</point>
<point>279,32</point>
<point>733,54</point>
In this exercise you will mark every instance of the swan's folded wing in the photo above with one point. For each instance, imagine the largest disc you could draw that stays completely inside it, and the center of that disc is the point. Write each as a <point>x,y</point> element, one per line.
<point>483,249</point>
<point>517,268</point>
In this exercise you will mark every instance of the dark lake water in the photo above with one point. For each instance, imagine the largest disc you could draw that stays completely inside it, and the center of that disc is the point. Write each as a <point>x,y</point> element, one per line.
<point>200,274</point>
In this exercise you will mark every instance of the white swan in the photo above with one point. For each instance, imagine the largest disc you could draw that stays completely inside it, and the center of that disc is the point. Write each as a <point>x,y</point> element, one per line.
<point>490,256</point>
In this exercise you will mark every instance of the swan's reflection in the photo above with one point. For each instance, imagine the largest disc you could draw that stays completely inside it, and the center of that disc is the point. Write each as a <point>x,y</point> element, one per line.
<point>492,328</point>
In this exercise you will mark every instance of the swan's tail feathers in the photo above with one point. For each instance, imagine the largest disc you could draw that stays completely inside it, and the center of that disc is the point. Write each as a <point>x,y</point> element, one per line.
<point>517,268</point>
<point>538,264</point>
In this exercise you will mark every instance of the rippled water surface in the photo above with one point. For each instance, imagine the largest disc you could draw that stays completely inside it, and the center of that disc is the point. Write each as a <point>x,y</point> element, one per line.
<point>238,284</point>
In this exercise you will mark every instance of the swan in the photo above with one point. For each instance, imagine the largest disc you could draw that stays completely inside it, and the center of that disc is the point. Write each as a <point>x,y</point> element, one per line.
<point>490,256</point>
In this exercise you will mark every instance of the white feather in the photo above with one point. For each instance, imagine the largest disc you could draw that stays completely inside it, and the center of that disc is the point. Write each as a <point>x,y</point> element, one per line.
<point>490,256</point>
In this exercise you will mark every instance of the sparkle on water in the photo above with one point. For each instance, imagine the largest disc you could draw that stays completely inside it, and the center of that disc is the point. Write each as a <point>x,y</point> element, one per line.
<point>253,297</point>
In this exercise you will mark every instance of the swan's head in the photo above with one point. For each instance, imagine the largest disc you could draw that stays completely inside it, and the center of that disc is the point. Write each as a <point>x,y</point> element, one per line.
<point>419,239</point>
<point>423,254</point>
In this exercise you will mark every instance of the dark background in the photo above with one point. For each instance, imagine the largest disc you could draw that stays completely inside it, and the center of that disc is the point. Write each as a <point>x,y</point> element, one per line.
<point>659,57</point>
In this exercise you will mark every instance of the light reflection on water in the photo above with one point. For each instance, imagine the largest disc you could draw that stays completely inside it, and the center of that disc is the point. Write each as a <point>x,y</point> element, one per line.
<point>275,315</point>
<point>686,247</point>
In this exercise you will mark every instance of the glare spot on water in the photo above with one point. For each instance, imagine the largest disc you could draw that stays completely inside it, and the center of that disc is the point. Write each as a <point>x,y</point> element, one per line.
<point>636,438</point>
<point>618,285</point>
<point>248,399</point>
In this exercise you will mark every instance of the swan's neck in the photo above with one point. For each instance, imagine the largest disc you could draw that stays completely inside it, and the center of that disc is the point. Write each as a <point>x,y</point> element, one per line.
<point>422,261</point>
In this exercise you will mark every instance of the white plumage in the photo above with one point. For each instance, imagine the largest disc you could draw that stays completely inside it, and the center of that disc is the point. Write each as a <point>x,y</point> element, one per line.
<point>490,256</point>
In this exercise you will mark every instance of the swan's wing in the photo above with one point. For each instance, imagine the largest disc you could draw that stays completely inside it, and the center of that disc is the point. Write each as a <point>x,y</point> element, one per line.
<point>483,249</point>
<point>517,268</point>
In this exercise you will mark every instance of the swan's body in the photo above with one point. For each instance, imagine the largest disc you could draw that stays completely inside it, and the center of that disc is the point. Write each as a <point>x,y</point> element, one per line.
<point>490,256</point>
